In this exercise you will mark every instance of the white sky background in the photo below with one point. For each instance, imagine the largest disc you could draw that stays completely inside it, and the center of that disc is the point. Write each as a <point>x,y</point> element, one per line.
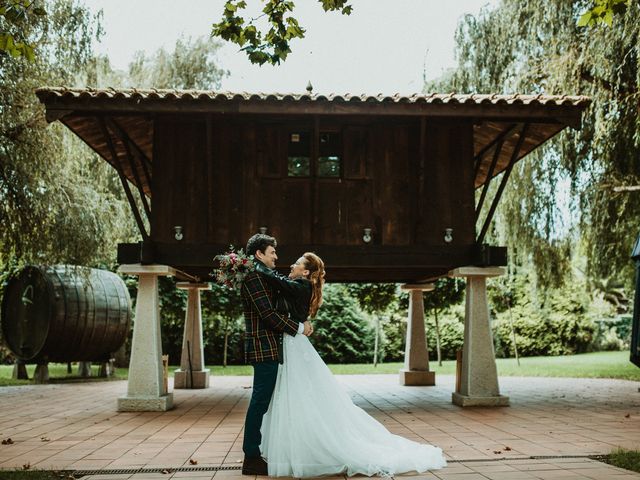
<point>384,46</point>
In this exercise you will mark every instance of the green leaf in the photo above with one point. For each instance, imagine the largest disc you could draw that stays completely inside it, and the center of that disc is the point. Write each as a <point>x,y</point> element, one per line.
<point>584,19</point>
<point>29,53</point>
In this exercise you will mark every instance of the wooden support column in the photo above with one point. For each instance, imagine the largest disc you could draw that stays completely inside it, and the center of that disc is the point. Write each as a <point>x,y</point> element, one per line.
<point>146,391</point>
<point>479,382</point>
<point>416,354</point>
<point>192,373</point>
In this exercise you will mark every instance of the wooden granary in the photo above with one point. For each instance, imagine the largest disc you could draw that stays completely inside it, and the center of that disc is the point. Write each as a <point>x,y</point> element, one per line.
<point>383,188</point>
<point>317,172</point>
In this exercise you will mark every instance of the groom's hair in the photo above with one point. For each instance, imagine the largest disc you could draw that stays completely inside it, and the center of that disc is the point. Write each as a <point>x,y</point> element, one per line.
<point>260,241</point>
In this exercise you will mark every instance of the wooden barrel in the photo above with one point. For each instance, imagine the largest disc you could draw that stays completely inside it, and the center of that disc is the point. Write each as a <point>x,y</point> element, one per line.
<point>65,313</point>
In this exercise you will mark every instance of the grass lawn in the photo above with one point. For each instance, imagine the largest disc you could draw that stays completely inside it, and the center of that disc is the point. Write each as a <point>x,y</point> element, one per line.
<point>34,475</point>
<point>628,459</point>
<point>57,374</point>
<point>586,365</point>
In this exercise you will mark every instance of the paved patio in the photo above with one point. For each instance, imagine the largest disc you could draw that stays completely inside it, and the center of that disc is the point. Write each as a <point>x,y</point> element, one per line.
<point>557,421</point>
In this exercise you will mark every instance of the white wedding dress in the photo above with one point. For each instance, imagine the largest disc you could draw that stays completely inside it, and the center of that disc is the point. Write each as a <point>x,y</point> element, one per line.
<point>312,427</point>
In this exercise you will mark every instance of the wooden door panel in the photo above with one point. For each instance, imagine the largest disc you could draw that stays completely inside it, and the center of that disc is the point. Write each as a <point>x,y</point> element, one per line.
<point>358,210</point>
<point>179,180</point>
<point>329,226</point>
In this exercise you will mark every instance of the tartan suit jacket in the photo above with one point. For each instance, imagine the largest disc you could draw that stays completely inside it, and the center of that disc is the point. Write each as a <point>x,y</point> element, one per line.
<point>264,326</point>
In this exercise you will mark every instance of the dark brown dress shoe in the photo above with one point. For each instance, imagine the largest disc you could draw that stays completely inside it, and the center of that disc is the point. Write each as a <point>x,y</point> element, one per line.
<point>254,466</point>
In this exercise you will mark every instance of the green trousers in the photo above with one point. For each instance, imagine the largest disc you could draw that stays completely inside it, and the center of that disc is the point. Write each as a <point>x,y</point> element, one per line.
<point>264,382</point>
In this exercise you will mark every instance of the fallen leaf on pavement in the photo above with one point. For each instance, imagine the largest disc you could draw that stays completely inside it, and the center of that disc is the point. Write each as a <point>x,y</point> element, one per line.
<point>193,462</point>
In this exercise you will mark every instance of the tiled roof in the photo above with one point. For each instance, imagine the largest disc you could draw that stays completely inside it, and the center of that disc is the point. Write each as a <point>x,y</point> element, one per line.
<point>135,94</point>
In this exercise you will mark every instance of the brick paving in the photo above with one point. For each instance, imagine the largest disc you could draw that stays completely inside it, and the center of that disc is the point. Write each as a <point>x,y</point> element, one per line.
<point>562,420</point>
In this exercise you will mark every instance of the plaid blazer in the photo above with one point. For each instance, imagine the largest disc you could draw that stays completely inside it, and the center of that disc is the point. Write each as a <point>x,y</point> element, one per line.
<point>264,326</point>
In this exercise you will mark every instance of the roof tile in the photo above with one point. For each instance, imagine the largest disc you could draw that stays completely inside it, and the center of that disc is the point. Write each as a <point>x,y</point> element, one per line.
<point>449,98</point>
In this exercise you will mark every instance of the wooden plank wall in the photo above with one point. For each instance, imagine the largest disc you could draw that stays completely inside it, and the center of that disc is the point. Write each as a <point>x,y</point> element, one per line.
<point>222,178</point>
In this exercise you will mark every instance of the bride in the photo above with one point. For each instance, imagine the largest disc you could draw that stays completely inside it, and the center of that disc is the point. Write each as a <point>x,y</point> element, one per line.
<point>312,427</point>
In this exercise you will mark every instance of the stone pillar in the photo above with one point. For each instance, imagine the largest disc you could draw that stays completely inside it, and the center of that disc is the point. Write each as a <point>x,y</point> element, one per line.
<point>479,382</point>
<point>192,375</point>
<point>145,387</point>
<point>416,355</point>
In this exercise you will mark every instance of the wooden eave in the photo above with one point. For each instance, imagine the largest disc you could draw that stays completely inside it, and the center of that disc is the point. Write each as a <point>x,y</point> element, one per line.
<point>129,115</point>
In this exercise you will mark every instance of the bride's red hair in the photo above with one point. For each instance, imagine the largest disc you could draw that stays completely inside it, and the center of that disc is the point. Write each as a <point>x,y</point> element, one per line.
<point>315,265</point>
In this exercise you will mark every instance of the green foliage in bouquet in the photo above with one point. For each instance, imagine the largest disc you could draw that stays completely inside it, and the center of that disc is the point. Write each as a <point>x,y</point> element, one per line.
<point>233,267</point>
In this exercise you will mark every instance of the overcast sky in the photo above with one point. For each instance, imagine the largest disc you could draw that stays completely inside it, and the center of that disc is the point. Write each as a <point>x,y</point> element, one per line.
<point>385,46</point>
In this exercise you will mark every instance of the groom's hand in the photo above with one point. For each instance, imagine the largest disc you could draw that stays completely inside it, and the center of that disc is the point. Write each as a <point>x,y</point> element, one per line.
<point>308,328</point>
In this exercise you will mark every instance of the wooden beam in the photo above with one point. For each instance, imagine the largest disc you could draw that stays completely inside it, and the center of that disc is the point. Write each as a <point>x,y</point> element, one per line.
<point>563,114</point>
<point>499,139</point>
<point>123,179</point>
<point>344,263</point>
<point>487,182</point>
<point>146,161</point>
<point>335,255</point>
<point>53,115</point>
<point>503,183</point>
<point>138,183</point>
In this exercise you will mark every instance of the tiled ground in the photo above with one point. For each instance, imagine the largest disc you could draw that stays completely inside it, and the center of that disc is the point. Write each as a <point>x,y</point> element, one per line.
<point>75,426</point>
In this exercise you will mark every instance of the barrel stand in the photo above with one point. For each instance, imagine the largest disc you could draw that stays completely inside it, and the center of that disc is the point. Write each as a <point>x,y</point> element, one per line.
<point>416,355</point>
<point>20,371</point>
<point>41,373</point>
<point>145,388</point>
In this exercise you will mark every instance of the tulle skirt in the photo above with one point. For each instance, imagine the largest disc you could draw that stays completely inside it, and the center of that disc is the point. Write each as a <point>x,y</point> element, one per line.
<point>312,427</point>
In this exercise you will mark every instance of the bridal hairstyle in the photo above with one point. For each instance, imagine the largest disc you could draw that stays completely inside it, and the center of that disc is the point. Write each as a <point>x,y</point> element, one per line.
<point>315,265</point>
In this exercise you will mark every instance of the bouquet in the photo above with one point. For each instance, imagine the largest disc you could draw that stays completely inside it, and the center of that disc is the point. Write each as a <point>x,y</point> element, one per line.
<point>233,267</point>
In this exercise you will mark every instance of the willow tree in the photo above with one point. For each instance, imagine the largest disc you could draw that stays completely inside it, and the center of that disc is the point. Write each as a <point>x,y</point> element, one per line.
<point>58,202</point>
<point>574,191</point>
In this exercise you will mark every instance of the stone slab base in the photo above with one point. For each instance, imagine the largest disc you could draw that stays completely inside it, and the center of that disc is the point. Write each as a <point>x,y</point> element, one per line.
<point>182,379</point>
<point>146,404</point>
<point>417,377</point>
<point>472,401</point>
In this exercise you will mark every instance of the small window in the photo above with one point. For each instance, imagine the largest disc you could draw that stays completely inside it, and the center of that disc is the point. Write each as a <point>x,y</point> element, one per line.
<point>329,166</point>
<point>330,158</point>
<point>299,167</point>
<point>299,154</point>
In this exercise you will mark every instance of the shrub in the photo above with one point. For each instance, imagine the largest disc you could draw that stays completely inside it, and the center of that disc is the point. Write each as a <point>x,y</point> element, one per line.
<point>451,333</point>
<point>342,331</point>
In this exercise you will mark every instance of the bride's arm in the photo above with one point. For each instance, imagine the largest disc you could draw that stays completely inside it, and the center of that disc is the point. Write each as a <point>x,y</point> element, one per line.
<point>287,286</point>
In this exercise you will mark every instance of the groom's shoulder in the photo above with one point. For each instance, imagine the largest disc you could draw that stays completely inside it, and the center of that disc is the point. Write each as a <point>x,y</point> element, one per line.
<point>252,278</point>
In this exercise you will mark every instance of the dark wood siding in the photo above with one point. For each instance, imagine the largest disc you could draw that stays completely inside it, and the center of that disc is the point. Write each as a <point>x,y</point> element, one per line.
<point>179,180</point>
<point>224,177</point>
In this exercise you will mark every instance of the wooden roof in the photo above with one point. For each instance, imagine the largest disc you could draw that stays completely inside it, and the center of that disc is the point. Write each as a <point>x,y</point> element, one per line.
<point>119,123</point>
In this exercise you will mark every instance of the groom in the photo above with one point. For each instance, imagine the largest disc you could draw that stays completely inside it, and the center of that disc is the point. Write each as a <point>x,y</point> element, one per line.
<point>262,346</point>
